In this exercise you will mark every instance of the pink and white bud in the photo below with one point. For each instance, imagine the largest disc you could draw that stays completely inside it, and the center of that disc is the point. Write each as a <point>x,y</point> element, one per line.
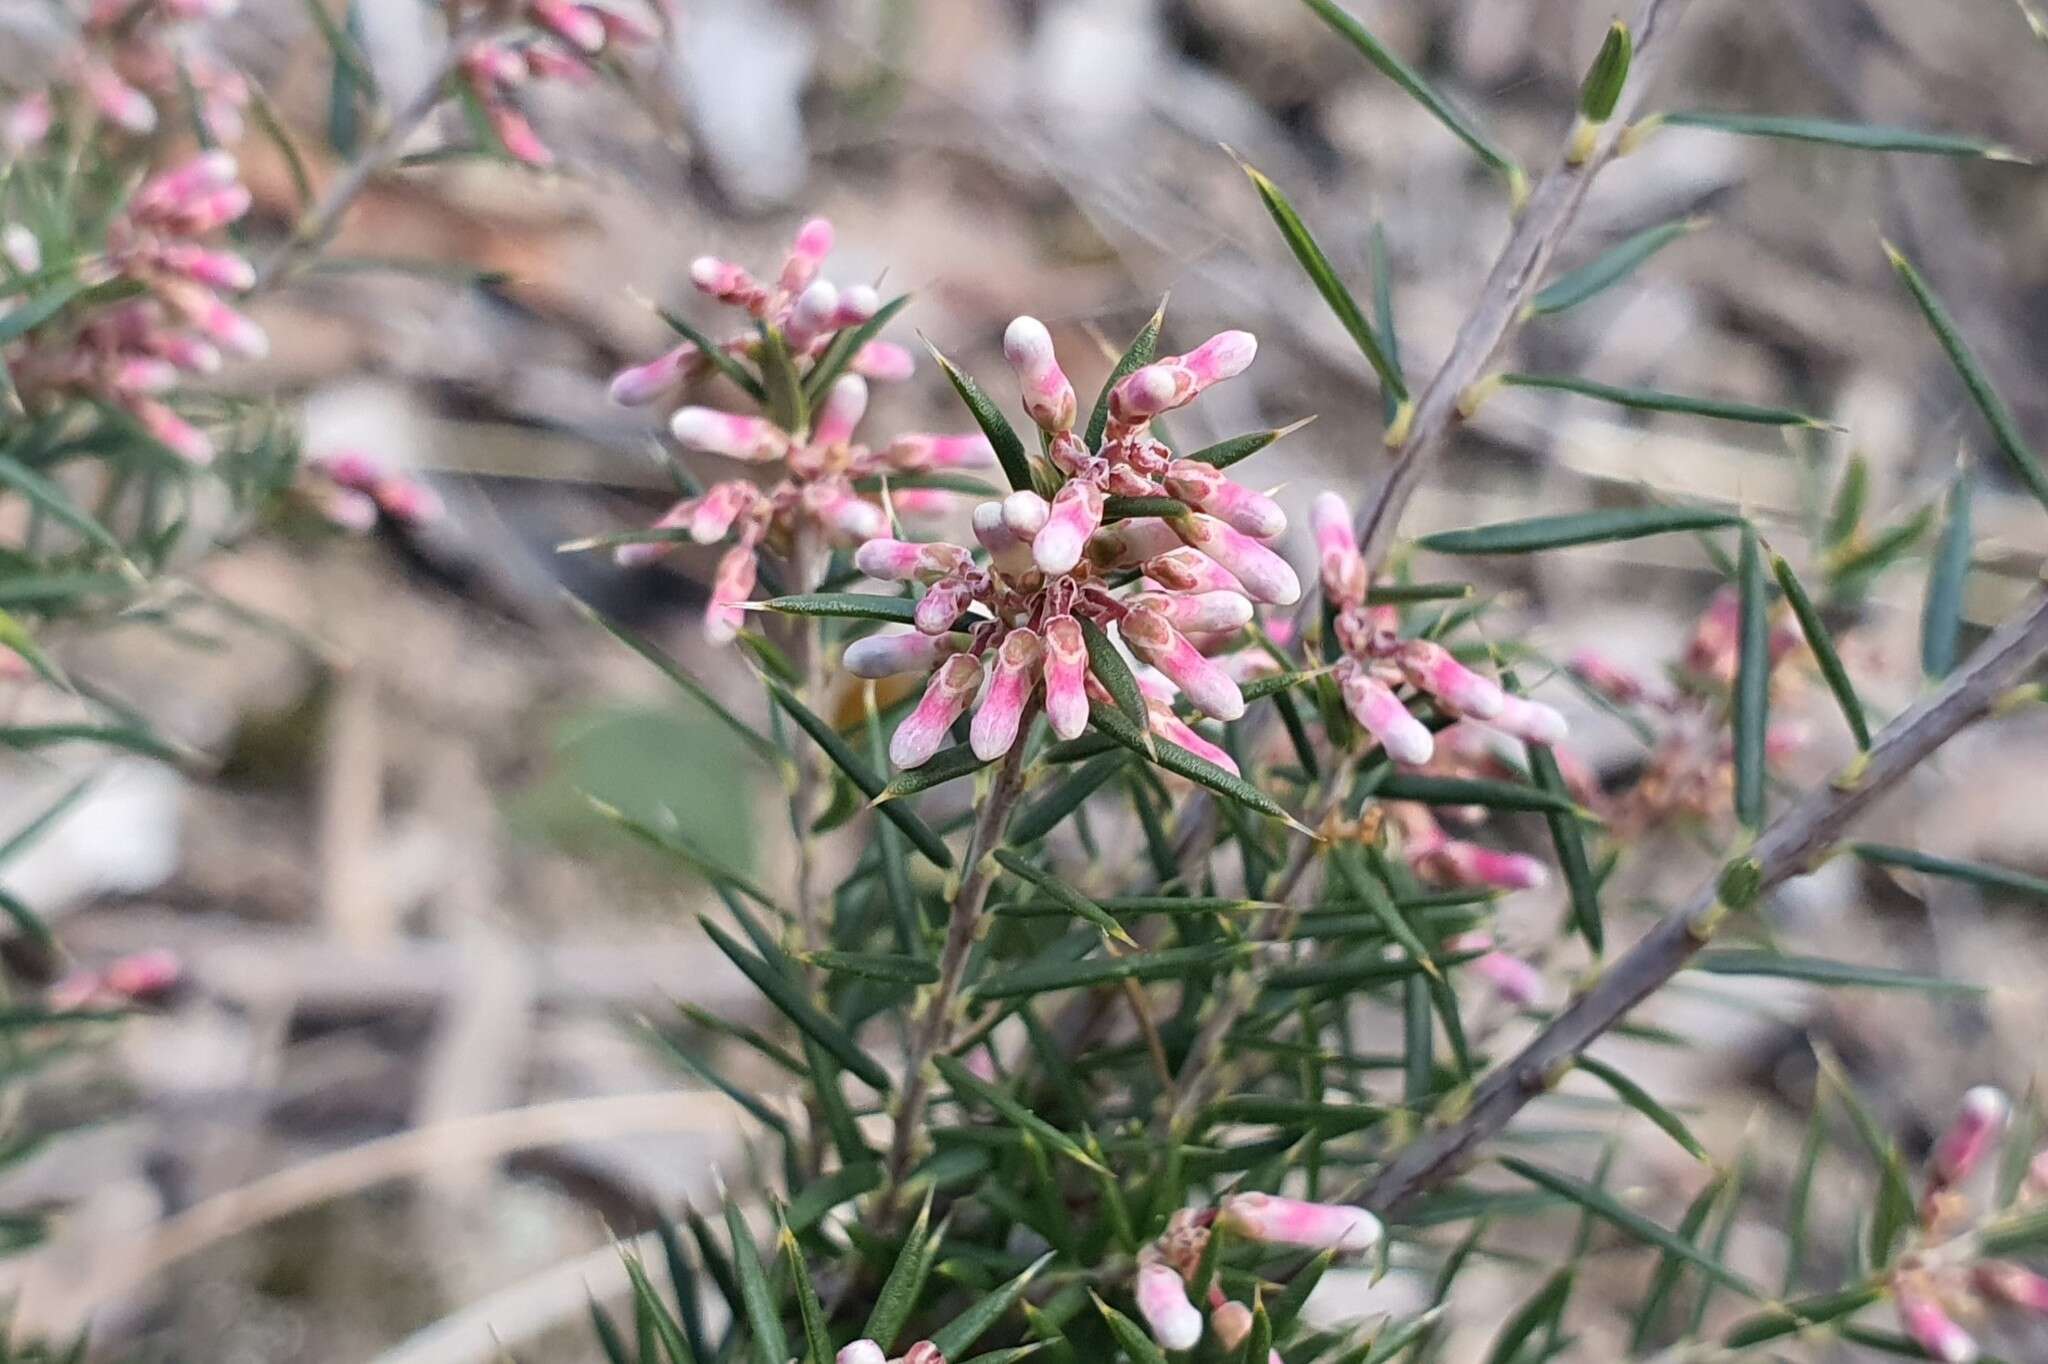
<point>234,332</point>
<point>21,248</point>
<point>846,402</point>
<point>145,374</point>
<point>118,102</point>
<point>520,140</point>
<point>937,609</point>
<point>409,501</point>
<point>1076,513</point>
<point>638,385</point>
<point>885,362</point>
<point>1048,394</point>
<point>189,353</point>
<point>1608,678</point>
<point>754,439</point>
<point>850,518</point>
<point>1345,579</point>
<point>580,28</point>
<point>1531,720</point>
<point>1975,1131</point>
<point>1223,356</point>
<point>902,561</point>
<point>1373,704</point>
<point>1207,488</point>
<point>730,586</point>
<point>345,509</point>
<point>923,731</point>
<point>726,282</point>
<point>1161,720</point>
<point>352,469</point>
<point>549,63</point>
<point>1200,612</point>
<point>712,515</point>
<point>1514,980</point>
<point>1010,684</point>
<point>167,428</point>
<point>213,210</point>
<point>1163,1302</point>
<point>1189,570</point>
<point>812,316</point>
<point>1232,1322</point>
<point>894,653</point>
<point>924,451</point>
<point>622,29</point>
<point>215,269</point>
<point>26,122</point>
<point>1430,667</point>
<point>857,303</point>
<point>1153,639</point>
<point>490,64</point>
<point>1265,575</point>
<point>1007,550</point>
<point>1175,381</point>
<point>806,255</point>
<point>1126,544</point>
<point>1025,513</point>
<point>1066,677</point>
<point>1289,1221</point>
<point>1933,1330</point>
<point>2013,1284</point>
<point>178,188</point>
<point>861,1352</point>
<point>1457,863</point>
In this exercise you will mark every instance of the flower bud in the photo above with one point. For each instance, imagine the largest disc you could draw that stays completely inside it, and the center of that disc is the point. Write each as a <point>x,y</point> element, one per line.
<point>1207,488</point>
<point>1345,579</point>
<point>937,609</point>
<point>861,1352</point>
<point>1232,1322</point>
<point>576,26</point>
<point>1611,680</point>
<point>857,303</point>
<point>1007,550</point>
<point>1175,381</point>
<point>638,385</point>
<point>409,501</point>
<point>1975,1130</point>
<point>849,518</point>
<point>1189,570</point>
<point>1011,682</point>
<point>187,352</point>
<point>1531,720</point>
<point>813,243</point>
<point>21,249</point>
<point>1076,513</point>
<point>118,102</point>
<point>1289,1221</point>
<point>902,561</point>
<point>1933,1330</point>
<point>755,439</point>
<point>1126,544</point>
<point>1513,979</point>
<point>1200,612</point>
<point>885,362</point>
<point>924,451</point>
<point>712,515</point>
<point>846,402</point>
<point>1025,513</point>
<point>26,122</point>
<point>1161,720</point>
<point>1430,667</point>
<point>1163,1301</point>
<point>1048,395</point>
<point>167,428</point>
<point>730,586</point>
<point>894,653</point>
<point>812,315</point>
<point>1373,704</point>
<point>1265,575</point>
<point>1066,677</point>
<point>1456,863</point>
<point>215,269</point>
<point>923,731</point>
<point>518,136</point>
<point>2013,1284</point>
<point>1153,639</point>
<point>924,1352</point>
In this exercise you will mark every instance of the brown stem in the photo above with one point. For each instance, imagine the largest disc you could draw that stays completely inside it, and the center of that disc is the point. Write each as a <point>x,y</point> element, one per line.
<point>1790,846</point>
<point>934,1025</point>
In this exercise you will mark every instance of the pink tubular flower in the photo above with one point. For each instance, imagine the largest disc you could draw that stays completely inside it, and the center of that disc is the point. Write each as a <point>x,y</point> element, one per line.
<point>1209,489</point>
<point>1975,1130</point>
<point>1430,667</point>
<point>1162,1297</point>
<point>1373,704</point>
<point>1075,514</point>
<point>753,439</point>
<point>2014,1285</point>
<point>26,122</point>
<point>1178,380</point>
<point>1266,576</point>
<point>1010,685</point>
<point>1510,977</point>
<point>1152,637</point>
<point>891,654</point>
<point>172,431</point>
<point>1343,570</point>
<point>1289,1221</point>
<point>1531,720</point>
<point>730,586</point>
<point>861,1352</point>
<point>1048,394</point>
<point>1066,677</point>
<point>885,362</point>
<point>1932,1329</point>
<point>924,730</point>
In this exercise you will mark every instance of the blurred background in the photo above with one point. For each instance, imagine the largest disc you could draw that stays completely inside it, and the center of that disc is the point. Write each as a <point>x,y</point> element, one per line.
<point>392,1109</point>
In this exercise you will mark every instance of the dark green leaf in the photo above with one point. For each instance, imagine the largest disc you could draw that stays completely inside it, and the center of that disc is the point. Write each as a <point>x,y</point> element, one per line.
<point>717,355</point>
<point>1223,454</point>
<point>1869,137</point>
<point>1575,528</point>
<point>901,1290</point>
<point>1058,891</point>
<point>788,408</point>
<point>850,605</point>
<point>1638,1098</point>
<point>1144,346</point>
<point>884,966</point>
<point>1163,964</point>
<point>811,1312</point>
<point>1752,707</point>
<point>1009,447</point>
<point>1603,1205</point>
<point>1106,663</point>
<point>845,346</point>
<point>1182,763</point>
<point>1134,1339</point>
<point>1670,1268</point>
<point>675,673</point>
<point>1976,873</point>
<point>1737,961</point>
<point>1610,267</point>
<point>1601,89</point>
<point>1051,810</point>
<point>1543,1307</point>
<point>1824,653</point>
<point>764,1321</point>
<point>955,1337</point>
<point>1494,795</point>
<point>861,775</point>
<point>1941,615</point>
<point>1799,1314</point>
<point>787,996</point>
<point>1652,400</point>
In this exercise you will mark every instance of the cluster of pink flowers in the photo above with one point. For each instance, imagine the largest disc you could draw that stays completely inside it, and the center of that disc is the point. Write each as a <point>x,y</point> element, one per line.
<point>567,39</point>
<point>132,58</point>
<point>1168,1265</point>
<point>1691,769</point>
<point>351,490</point>
<point>1944,1276</point>
<point>133,351</point>
<point>1017,620</point>
<point>817,503</point>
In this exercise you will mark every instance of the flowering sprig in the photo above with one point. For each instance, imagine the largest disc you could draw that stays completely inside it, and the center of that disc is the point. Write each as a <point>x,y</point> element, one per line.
<point>564,41</point>
<point>126,63</point>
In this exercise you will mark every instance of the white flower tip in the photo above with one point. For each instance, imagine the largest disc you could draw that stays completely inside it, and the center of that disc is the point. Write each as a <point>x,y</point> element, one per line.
<point>1027,344</point>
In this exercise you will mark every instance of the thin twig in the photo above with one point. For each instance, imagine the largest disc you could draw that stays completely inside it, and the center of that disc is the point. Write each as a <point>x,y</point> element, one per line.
<point>1790,846</point>
<point>934,1025</point>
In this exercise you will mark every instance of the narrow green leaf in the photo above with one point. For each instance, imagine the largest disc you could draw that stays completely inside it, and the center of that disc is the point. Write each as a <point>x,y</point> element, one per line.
<point>1324,276</point>
<point>1383,315</point>
<point>1739,961</point>
<point>1224,453</point>
<point>1050,811</point>
<point>1653,400</point>
<point>845,346</point>
<point>965,1082</point>
<point>861,775</point>
<point>1796,1225</point>
<point>1997,415</point>
<point>1638,1098</point>
<point>884,966</point>
<point>1575,528</point>
<point>608,1337</point>
<point>1604,1206</point>
<point>787,406</point>
<point>811,1312</point>
<point>1058,891</point>
<point>128,737</point>
<point>1163,964</point>
<point>1182,763</point>
<point>1752,706</point>
<point>786,996</point>
<point>848,605</point>
<point>1543,1307</point>
<point>905,1284</point>
<point>1144,346</point>
<point>717,354</point>
<point>1406,594</point>
<point>1824,653</point>
<point>1798,1315</point>
<point>653,1309</point>
<point>1610,267</point>
<point>1286,1309</point>
<point>956,1336</point>
<point>672,842</point>
<point>1869,137</point>
<point>1137,1343</point>
<point>1670,1268</point>
<point>1582,886</point>
<point>1009,447</point>
<point>764,1321</point>
<point>36,311</point>
<point>1601,89</point>
<point>1976,873</point>
<point>1133,508</point>
<point>1941,614</point>
<point>52,501</point>
<point>1106,663</point>
<point>1845,512</point>
<point>1398,71</point>
<point>1494,795</point>
<point>676,673</point>
<point>1258,1345</point>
